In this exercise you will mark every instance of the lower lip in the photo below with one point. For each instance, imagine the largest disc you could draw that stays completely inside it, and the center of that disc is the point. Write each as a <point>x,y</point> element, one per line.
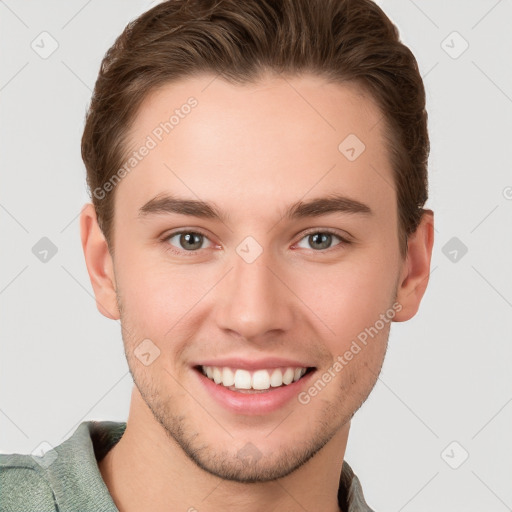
<point>253,403</point>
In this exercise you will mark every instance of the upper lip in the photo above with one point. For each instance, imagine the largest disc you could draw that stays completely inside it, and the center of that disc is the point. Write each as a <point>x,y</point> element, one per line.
<point>253,364</point>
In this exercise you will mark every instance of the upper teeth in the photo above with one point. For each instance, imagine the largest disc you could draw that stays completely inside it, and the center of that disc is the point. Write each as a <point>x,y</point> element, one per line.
<point>260,379</point>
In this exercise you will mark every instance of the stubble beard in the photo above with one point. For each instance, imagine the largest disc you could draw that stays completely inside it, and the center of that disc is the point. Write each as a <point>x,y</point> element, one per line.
<point>235,466</point>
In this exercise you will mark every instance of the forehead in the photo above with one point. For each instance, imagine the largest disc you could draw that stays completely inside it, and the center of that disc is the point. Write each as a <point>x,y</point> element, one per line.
<point>276,140</point>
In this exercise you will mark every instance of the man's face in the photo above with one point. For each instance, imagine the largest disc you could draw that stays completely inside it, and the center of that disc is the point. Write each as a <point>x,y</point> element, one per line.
<point>262,288</point>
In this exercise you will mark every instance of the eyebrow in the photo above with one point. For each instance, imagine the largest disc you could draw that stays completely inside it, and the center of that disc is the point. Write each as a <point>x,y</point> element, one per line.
<point>334,203</point>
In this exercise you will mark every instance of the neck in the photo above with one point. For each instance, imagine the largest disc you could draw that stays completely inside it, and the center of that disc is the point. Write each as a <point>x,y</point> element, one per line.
<point>147,470</point>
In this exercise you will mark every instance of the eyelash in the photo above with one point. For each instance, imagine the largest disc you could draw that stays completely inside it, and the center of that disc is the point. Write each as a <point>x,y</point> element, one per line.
<point>168,247</point>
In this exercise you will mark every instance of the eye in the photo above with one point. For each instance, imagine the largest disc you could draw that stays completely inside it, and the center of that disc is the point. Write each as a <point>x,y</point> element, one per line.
<point>189,241</point>
<point>320,240</point>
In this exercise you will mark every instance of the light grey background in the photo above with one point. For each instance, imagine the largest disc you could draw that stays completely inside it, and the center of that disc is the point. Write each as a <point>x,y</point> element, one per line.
<point>447,376</point>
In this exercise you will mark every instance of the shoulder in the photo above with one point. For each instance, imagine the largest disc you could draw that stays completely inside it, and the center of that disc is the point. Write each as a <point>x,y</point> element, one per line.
<point>23,485</point>
<point>350,492</point>
<point>65,477</point>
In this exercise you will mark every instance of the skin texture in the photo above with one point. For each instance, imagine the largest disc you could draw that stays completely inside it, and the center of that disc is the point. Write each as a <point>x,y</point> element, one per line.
<point>251,150</point>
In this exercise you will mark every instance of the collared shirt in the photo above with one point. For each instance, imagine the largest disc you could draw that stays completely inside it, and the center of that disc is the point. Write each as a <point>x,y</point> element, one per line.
<point>67,478</point>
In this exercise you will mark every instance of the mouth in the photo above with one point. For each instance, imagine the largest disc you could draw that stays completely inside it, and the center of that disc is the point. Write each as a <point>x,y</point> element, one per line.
<point>261,380</point>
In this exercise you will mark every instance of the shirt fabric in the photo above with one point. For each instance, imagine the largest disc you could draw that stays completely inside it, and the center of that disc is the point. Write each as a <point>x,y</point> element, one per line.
<point>67,478</point>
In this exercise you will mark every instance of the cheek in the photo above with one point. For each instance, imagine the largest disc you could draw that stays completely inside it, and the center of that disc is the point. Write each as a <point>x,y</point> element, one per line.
<point>350,297</point>
<point>156,296</point>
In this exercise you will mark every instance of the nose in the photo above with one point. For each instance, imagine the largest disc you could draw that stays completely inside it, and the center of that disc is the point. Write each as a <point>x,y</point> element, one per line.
<point>253,300</point>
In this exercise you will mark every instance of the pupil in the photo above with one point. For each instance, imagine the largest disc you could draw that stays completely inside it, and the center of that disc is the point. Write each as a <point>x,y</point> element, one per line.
<point>188,239</point>
<point>322,239</point>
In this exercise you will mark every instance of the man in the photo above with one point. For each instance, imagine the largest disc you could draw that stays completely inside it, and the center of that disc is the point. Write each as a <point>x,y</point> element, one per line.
<point>258,176</point>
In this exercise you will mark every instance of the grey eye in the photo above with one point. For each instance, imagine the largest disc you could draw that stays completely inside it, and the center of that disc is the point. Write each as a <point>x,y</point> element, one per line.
<point>188,240</point>
<point>319,240</point>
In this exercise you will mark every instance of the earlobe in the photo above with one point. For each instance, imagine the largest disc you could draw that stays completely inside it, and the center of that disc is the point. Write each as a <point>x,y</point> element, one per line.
<point>416,268</point>
<point>99,263</point>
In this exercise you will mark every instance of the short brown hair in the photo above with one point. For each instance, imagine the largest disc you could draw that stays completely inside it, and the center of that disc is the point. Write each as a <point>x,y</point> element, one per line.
<point>349,41</point>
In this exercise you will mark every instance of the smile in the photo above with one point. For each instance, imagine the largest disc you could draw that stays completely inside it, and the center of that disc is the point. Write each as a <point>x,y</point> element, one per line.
<point>259,380</point>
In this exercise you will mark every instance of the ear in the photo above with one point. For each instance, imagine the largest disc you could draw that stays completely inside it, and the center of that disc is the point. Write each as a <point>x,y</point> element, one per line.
<point>99,263</point>
<point>416,268</point>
